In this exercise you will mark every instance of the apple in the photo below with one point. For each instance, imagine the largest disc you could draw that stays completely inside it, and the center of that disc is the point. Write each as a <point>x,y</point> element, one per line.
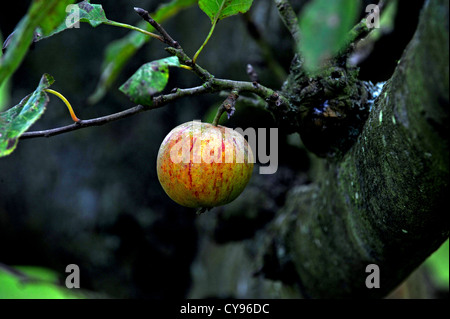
<point>200,165</point>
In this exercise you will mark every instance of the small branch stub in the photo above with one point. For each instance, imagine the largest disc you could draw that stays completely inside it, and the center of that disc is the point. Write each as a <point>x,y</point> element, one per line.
<point>227,106</point>
<point>230,102</point>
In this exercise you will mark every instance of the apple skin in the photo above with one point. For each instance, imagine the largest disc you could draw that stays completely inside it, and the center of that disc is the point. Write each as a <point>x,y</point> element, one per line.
<point>194,182</point>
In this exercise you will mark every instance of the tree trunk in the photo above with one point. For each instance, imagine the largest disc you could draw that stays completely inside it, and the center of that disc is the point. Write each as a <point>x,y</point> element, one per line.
<point>382,203</point>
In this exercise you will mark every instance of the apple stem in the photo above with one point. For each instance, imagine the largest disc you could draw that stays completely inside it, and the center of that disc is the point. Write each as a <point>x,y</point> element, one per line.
<point>219,113</point>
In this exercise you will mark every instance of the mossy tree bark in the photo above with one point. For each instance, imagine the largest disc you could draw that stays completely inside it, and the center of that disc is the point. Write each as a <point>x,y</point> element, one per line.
<point>381,203</point>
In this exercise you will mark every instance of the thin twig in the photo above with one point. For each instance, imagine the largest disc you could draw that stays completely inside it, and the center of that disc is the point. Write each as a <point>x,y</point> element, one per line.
<point>289,18</point>
<point>358,32</point>
<point>158,101</point>
<point>209,80</point>
<point>204,75</point>
<point>84,123</point>
<point>267,94</point>
<point>257,101</point>
<point>167,38</point>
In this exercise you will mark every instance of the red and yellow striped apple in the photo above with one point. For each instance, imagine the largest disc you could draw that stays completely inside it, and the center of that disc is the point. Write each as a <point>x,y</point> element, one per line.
<point>202,165</point>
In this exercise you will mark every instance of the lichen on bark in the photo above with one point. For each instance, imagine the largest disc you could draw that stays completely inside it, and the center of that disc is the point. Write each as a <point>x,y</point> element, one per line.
<point>327,109</point>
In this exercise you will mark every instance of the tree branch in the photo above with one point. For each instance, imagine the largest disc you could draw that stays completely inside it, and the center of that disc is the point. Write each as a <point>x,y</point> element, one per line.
<point>84,123</point>
<point>254,102</point>
<point>166,37</point>
<point>158,101</point>
<point>289,18</point>
<point>211,84</point>
<point>384,203</point>
<point>269,95</point>
<point>359,31</point>
<point>204,75</point>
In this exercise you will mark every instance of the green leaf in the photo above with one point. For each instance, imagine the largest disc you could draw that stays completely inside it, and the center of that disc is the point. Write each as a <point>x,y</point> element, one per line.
<point>92,13</point>
<point>438,265</point>
<point>15,121</point>
<point>4,94</point>
<point>148,80</point>
<point>5,86</point>
<point>324,26</point>
<point>119,52</point>
<point>23,36</point>
<point>30,282</point>
<point>220,9</point>
<point>87,12</point>
<point>55,17</point>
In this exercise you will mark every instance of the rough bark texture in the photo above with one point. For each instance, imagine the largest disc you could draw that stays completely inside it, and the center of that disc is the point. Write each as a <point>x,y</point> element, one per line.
<point>93,198</point>
<point>383,203</point>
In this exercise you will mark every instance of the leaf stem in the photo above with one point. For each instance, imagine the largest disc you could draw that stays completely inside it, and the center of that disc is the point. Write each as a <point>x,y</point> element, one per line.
<point>206,41</point>
<point>185,67</point>
<point>66,102</point>
<point>127,26</point>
